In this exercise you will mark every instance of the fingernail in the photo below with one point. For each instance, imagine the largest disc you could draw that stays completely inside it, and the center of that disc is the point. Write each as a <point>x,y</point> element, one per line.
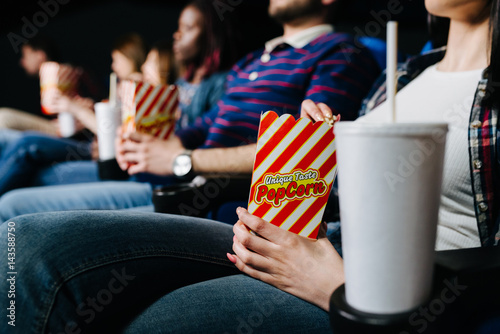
<point>231,258</point>
<point>320,117</point>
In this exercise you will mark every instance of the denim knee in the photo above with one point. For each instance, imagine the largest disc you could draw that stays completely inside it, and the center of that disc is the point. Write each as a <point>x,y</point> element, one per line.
<point>10,205</point>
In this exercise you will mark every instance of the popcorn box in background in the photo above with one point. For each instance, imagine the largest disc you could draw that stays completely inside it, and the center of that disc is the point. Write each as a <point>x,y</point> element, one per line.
<point>148,108</point>
<point>54,77</point>
<point>294,169</point>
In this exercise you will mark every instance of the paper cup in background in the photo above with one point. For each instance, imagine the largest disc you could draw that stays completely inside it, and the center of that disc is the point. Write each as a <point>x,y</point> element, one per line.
<point>389,192</point>
<point>108,119</point>
<point>67,124</point>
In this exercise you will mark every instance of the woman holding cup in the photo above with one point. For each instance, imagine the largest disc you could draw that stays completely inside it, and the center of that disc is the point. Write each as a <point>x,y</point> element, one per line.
<point>458,85</point>
<point>38,166</point>
<point>204,49</point>
<point>20,166</point>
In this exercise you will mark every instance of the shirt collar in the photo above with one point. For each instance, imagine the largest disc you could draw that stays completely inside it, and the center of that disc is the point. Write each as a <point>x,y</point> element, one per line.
<point>301,39</point>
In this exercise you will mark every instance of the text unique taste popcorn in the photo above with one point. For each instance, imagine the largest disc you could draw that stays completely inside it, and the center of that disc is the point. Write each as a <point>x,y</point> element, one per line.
<point>294,169</point>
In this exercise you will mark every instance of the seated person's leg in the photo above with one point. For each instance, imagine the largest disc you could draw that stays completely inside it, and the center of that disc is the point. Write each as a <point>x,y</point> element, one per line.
<point>233,304</point>
<point>67,173</point>
<point>86,267</point>
<point>22,158</point>
<point>90,196</point>
<point>145,208</point>
<point>19,120</point>
<point>7,137</point>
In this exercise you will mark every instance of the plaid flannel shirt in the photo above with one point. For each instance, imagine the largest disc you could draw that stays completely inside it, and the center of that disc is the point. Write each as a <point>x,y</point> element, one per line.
<point>483,143</point>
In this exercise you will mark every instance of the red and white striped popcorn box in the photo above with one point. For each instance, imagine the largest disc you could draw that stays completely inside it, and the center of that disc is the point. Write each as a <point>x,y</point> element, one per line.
<point>148,108</point>
<point>57,77</point>
<point>293,172</point>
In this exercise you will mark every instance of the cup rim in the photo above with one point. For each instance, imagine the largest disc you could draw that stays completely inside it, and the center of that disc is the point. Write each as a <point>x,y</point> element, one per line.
<point>353,127</point>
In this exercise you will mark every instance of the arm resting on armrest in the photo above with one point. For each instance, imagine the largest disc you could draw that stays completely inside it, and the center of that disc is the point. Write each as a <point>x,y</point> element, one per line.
<point>238,160</point>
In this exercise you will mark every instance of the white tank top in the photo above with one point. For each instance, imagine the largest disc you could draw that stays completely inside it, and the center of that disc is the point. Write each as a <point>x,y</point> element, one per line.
<point>436,96</point>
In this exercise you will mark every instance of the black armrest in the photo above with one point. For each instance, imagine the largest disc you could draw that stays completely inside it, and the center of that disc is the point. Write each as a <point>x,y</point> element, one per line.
<point>470,260</point>
<point>192,199</point>
<point>109,170</point>
<point>465,293</point>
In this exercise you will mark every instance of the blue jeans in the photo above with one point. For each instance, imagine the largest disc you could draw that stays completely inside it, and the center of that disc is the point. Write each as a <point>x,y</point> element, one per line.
<point>107,272</point>
<point>22,158</point>
<point>7,137</point>
<point>106,195</point>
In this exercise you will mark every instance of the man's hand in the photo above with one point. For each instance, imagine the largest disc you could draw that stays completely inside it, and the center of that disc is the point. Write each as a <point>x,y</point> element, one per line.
<point>142,153</point>
<point>309,269</point>
<point>57,102</point>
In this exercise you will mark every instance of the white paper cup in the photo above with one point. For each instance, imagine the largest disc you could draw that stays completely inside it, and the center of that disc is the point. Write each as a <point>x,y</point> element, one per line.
<point>389,192</point>
<point>67,125</point>
<point>108,120</point>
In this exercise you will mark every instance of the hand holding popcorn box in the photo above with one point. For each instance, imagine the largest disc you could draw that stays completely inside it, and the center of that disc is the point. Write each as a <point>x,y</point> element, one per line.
<point>294,169</point>
<point>54,78</point>
<point>57,79</point>
<point>149,109</point>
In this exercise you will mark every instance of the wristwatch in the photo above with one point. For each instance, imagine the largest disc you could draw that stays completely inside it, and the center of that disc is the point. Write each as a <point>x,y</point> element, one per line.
<point>183,165</point>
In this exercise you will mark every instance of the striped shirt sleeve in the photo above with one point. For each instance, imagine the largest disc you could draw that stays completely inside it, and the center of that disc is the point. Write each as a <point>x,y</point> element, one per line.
<point>342,78</point>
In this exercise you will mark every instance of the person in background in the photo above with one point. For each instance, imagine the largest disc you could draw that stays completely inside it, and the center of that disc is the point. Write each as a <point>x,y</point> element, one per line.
<point>160,67</point>
<point>204,49</point>
<point>128,53</point>
<point>128,56</point>
<point>23,154</point>
<point>34,52</point>
<point>308,61</point>
<point>32,159</point>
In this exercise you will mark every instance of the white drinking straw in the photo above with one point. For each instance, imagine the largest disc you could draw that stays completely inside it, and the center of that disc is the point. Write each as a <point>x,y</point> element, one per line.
<point>392,58</point>
<point>112,88</point>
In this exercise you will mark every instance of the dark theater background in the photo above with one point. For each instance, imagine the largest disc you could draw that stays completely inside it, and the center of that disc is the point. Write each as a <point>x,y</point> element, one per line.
<point>85,30</point>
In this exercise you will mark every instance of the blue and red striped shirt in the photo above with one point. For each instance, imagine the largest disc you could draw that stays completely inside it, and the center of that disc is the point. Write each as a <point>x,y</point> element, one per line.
<point>329,69</point>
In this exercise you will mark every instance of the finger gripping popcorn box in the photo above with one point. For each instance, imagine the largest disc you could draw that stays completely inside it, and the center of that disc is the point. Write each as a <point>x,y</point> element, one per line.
<point>294,169</point>
<point>57,77</point>
<point>148,108</point>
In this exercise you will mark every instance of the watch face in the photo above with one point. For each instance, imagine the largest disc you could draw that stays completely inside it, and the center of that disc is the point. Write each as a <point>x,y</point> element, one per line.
<point>182,165</point>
